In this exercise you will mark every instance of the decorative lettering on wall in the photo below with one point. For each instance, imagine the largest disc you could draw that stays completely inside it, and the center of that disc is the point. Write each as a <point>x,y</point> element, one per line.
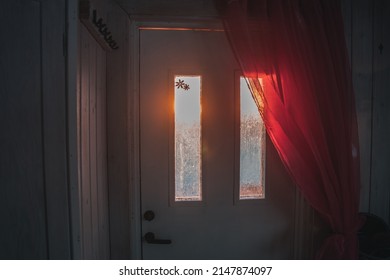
<point>103,30</point>
<point>96,26</point>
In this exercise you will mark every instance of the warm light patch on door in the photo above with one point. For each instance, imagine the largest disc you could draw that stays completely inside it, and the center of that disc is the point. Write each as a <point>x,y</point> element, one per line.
<point>252,147</point>
<point>187,123</point>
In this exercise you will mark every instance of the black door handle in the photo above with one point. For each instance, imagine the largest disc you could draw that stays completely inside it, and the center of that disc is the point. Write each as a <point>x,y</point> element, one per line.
<point>151,239</point>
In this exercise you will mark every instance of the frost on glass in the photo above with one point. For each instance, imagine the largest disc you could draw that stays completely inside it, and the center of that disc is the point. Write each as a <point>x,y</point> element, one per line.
<point>252,146</point>
<point>188,138</point>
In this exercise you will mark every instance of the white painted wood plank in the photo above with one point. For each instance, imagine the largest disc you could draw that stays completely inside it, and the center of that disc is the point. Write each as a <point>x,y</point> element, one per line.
<point>362,81</point>
<point>102,156</point>
<point>118,130</point>
<point>54,116</point>
<point>23,232</point>
<point>85,149</point>
<point>73,118</point>
<point>134,144</point>
<point>380,187</point>
<point>346,7</point>
<point>93,149</point>
<point>92,144</point>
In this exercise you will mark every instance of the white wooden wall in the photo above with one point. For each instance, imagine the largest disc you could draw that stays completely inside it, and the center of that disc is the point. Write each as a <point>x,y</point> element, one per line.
<point>120,134</point>
<point>367,28</point>
<point>115,236</point>
<point>93,148</point>
<point>34,213</point>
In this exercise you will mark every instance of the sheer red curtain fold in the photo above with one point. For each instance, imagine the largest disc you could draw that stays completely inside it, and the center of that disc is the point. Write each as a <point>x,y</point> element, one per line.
<point>294,56</point>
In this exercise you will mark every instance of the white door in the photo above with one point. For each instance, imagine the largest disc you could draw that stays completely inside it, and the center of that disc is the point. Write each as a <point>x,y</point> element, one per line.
<point>208,220</point>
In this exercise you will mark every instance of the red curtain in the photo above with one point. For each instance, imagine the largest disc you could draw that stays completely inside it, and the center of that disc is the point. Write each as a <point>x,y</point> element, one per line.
<point>294,56</point>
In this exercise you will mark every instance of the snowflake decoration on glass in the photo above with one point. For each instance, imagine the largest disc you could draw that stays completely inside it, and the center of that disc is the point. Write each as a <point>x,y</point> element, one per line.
<point>182,84</point>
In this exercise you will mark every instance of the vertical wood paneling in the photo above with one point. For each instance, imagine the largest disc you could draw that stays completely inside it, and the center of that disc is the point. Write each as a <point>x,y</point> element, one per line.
<point>85,146</point>
<point>346,6</point>
<point>102,190</point>
<point>370,67</point>
<point>380,177</point>
<point>54,121</point>
<point>79,75</point>
<point>73,125</point>
<point>34,140</point>
<point>23,233</point>
<point>95,222</point>
<point>118,130</point>
<point>92,145</point>
<point>33,165</point>
<point>361,53</point>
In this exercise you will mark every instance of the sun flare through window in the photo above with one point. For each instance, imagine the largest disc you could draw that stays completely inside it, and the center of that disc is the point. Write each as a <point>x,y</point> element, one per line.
<point>187,138</point>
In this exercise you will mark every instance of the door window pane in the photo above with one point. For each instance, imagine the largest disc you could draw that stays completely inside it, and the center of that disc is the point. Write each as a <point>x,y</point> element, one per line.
<point>188,161</point>
<point>252,146</point>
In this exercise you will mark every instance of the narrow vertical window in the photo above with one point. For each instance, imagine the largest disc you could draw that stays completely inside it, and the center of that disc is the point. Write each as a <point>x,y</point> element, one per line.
<point>187,123</point>
<point>252,147</point>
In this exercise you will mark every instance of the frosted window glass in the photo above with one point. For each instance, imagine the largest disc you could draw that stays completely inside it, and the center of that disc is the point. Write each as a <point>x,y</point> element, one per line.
<point>188,170</point>
<point>252,146</point>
